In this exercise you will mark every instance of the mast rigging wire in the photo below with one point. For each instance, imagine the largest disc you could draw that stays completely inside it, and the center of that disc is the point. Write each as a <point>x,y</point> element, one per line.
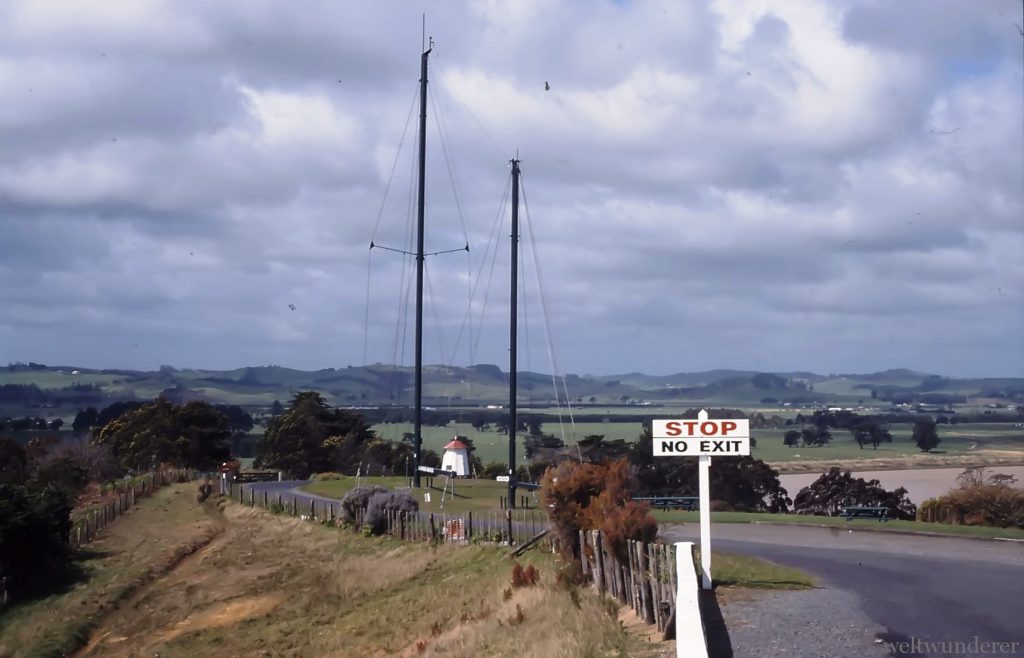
<point>376,226</point>
<point>547,323</point>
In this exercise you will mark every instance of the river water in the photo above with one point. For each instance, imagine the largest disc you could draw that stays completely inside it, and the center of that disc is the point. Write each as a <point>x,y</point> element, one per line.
<point>920,484</point>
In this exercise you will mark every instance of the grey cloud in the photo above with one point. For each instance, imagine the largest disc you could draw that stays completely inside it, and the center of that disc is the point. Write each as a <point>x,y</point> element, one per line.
<point>687,214</point>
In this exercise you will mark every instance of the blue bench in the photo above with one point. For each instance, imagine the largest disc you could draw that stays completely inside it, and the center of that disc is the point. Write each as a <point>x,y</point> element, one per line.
<point>876,513</point>
<point>688,503</point>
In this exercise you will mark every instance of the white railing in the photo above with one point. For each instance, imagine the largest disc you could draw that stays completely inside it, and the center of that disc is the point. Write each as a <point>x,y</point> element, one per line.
<point>690,640</point>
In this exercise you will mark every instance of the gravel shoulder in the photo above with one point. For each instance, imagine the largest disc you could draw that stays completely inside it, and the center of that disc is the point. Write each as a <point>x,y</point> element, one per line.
<point>824,622</point>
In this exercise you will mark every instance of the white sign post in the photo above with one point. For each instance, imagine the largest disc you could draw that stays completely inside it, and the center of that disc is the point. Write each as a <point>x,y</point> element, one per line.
<point>726,437</point>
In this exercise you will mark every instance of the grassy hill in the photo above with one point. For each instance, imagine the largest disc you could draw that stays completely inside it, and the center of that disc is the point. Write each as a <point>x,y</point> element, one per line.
<point>487,384</point>
<point>262,584</point>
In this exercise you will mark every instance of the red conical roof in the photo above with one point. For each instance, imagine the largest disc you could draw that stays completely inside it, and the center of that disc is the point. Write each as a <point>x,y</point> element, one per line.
<point>456,445</point>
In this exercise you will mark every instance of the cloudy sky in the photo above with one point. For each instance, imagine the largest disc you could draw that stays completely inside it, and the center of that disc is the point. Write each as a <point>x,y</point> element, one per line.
<point>774,185</point>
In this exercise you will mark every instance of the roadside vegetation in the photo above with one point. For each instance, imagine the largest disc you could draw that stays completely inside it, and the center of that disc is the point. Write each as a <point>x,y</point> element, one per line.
<point>981,499</point>
<point>274,585</point>
<point>147,542</point>
<point>838,522</point>
<point>46,484</point>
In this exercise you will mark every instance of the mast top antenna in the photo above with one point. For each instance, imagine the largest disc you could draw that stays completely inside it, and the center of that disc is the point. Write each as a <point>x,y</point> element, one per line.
<point>426,43</point>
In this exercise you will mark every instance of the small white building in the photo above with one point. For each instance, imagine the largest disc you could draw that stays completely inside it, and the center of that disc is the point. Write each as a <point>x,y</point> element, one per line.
<point>456,458</point>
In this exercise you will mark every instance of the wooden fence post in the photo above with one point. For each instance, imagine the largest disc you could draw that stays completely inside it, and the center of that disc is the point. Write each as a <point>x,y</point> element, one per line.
<point>599,577</point>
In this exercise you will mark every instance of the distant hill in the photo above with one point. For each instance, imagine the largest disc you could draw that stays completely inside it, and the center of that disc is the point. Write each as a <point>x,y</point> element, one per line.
<point>33,385</point>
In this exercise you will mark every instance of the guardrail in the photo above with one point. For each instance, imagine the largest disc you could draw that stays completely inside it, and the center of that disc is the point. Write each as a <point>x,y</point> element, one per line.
<point>662,590</point>
<point>690,639</point>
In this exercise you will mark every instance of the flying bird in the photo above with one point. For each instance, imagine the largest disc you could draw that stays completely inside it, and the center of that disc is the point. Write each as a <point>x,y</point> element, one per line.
<point>291,306</point>
<point>547,87</point>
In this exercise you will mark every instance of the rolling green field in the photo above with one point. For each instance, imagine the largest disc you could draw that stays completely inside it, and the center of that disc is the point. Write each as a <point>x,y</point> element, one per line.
<point>48,379</point>
<point>956,440</point>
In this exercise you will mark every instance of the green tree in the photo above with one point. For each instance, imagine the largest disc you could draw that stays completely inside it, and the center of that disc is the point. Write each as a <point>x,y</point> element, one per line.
<point>34,529</point>
<point>743,483</point>
<point>193,435</point>
<point>85,419</point>
<point>309,437</point>
<point>63,473</point>
<point>816,435</point>
<point>869,430</point>
<point>13,461</point>
<point>926,435</point>
<point>836,489</point>
<point>791,439</point>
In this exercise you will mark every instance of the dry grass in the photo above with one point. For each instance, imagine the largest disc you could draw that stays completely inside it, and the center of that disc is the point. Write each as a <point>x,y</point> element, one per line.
<point>146,542</point>
<point>277,586</point>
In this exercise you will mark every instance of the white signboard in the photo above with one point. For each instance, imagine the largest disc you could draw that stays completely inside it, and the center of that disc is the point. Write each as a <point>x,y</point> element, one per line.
<point>502,478</point>
<point>724,437</point>
<point>703,438</point>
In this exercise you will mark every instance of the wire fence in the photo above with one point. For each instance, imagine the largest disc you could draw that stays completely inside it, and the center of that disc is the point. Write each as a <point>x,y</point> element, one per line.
<point>511,527</point>
<point>88,523</point>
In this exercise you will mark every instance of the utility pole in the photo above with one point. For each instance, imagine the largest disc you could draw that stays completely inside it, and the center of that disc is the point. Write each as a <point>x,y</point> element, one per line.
<point>421,199</point>
<point>513,339</point>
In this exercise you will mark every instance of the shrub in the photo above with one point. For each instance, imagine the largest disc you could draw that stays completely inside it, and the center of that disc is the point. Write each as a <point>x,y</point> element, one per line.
<point>621,523</point>
<point>589,496</point>
<point>205,489</point>
<point>357,499</point>
<point>63,473</point>
<point>524,577</point>
<point>836,489</point>
<point>381,503</point>
<point>34,529</point>
<point>976,502</point>
<point>329,475</point>
<point>494,469</point>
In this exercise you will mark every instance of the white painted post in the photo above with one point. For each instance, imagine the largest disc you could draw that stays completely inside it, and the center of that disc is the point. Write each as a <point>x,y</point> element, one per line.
<point>690,640</point>
<point>705,520</point>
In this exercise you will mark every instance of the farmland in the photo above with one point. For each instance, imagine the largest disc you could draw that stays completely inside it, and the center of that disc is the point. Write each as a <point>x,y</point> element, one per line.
<point>603,405</point>
<point>979,441</point>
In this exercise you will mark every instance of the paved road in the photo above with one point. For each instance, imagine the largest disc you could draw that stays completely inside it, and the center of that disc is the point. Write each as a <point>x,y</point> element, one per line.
<point>925,588</point>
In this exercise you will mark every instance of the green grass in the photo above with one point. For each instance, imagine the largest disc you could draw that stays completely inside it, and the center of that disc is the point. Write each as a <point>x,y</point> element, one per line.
<point>470,495</point>
<point>678,516</point>
<point>731,570</point>
<point>956,440</point>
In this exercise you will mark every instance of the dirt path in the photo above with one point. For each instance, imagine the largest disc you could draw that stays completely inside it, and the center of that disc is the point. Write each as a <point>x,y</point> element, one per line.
<point>152,578</point>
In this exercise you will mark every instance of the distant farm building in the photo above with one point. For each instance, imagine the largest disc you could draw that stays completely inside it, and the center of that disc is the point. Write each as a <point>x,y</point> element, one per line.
<point>456,458</point>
